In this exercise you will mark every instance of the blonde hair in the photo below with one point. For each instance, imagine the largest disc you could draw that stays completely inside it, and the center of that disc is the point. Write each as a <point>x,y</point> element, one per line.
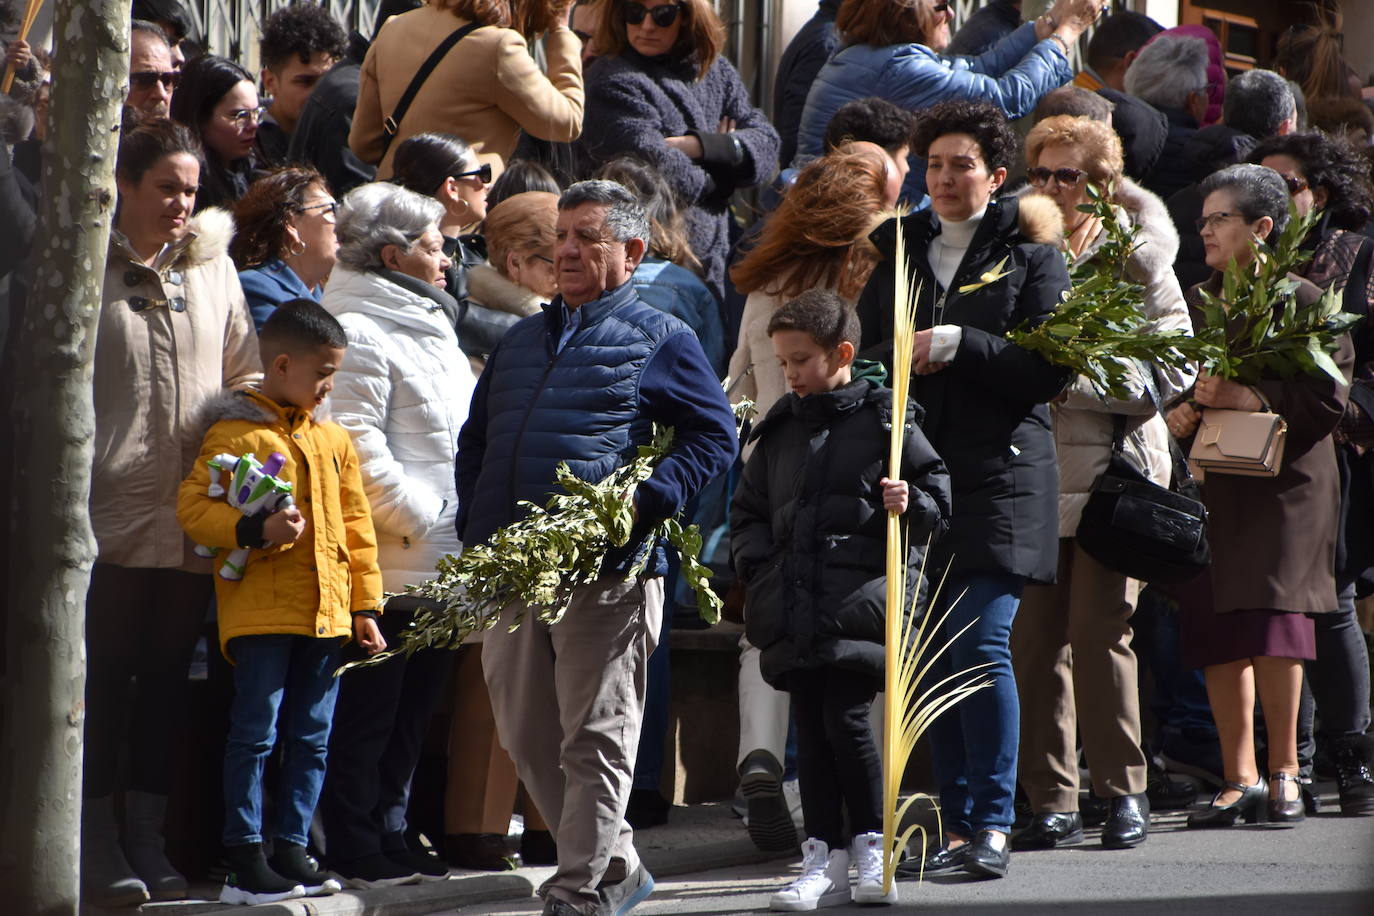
<point>1101,147</point>
<point>521,224</point>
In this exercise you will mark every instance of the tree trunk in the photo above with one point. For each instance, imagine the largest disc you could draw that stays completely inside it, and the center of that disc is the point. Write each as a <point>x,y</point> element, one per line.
<point>53,545</point>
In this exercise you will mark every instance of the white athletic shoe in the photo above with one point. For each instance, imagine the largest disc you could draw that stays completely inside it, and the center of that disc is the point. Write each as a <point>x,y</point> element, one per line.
<point>867,854</point>
<point>824,880</point>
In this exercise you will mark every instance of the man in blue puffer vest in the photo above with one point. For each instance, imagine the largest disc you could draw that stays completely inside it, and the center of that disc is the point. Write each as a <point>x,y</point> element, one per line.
<point>584,383</point>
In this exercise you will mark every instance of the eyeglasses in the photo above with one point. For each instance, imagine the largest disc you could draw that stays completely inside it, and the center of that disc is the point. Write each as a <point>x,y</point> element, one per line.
<point>1295,184</point>
<point>242,117</point>
<point>144,80</point>
<point>663,16</point>
<point>1067,178</point>
<point>1216,219</point>
<point>546,260</point>
<point>327,209</point>
<point>941,7</point>
<point>482,173</point>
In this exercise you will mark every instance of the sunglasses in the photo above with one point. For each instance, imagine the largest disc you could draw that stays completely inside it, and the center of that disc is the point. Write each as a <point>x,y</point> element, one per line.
<point>663,16</point>
<point>144,80</point>
<point>941,7</point>
<point>483,174</point>
<point>1295,184</point>
<point>1067,178</point>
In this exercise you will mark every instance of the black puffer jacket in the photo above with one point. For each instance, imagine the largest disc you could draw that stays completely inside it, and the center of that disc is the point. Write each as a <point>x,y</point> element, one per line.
<point>986,412</point>
<point>808,531</point>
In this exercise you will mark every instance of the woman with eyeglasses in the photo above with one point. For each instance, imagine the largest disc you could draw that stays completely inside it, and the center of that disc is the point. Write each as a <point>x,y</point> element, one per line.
<point>402,393</point>
<point>1245,620</point>
<point>1071,641</point>
<point>174,332</point>
<point>1326,175</point>
<point>445,168</point>
<point>983,266</point>
<point>893,49</point>
<point>218,101</point>
<point>285,245</point>
<point>486,89</point>
<point>662,92</point>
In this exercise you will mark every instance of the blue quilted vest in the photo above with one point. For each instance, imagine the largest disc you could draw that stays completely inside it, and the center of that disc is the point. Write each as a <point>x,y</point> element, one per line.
<point>580,405</point>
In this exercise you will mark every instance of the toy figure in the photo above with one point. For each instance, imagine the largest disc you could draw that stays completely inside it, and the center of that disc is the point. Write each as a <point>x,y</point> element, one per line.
<point>254,490</point>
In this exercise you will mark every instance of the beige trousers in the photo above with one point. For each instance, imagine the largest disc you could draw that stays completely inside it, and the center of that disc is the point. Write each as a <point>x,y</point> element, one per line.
<point>568,701</point>
<point>1076,675</point>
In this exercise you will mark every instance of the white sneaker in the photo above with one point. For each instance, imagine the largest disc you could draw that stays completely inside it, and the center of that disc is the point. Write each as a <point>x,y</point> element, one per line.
<point>824,880</point>
<point>867,853</point>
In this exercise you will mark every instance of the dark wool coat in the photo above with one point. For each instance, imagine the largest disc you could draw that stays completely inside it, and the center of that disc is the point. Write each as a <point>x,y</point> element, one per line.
<point>986,412</point>
<point>634,101</point>
<point>808,531</point>
<point>1274,538</point>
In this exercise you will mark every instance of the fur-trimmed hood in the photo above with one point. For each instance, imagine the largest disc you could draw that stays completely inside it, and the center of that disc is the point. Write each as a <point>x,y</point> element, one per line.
<point>1157,236</point>
<point>207,238</point>
<point>1040,220</point>
<point>248,404</point>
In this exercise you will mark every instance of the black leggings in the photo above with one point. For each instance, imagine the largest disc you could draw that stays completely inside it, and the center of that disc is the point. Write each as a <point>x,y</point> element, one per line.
<point>141,625</point>
<point>838,766</point>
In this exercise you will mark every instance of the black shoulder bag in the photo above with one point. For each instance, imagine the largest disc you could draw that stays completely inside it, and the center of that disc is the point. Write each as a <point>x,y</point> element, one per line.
<point>392,125</point>
<point>1134,526</point>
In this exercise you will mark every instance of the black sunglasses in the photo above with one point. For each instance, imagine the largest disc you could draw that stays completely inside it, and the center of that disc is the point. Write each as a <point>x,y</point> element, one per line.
<point>483,173</point>
<point>1068,178</point>
<point>663,16</point>
<point>144,80</point>
<point>942,7</point>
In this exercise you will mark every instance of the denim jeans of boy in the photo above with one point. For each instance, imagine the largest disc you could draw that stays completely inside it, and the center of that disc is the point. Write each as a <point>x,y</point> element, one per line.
<point>974,745</point>
<point>292,676</point>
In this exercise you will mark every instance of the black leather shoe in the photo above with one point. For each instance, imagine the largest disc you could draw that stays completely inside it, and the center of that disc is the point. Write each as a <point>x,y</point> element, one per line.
<point>1252,806</point>
<point>984,859</point>
<point>1046,831</point>
<point>1128,822</point>
<point>1284,812</point>
<point>939,860</point>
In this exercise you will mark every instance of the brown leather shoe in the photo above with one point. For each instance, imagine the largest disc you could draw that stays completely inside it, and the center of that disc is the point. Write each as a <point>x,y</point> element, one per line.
<point>480,852</point>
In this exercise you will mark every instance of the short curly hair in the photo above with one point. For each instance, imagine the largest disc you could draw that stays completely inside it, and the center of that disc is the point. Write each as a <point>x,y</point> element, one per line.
<point>303,30</point>
<point>873,119</point>
<point>983,121</point>
<point>262,214</point>
<point>1328,163</point>
<point>1098,143</point>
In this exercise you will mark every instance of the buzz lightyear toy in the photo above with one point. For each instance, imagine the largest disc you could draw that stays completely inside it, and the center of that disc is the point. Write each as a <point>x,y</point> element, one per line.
<point>254,489</point>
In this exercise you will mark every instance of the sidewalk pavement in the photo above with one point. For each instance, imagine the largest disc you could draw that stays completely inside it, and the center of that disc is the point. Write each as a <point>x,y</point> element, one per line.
<point>697,838</point>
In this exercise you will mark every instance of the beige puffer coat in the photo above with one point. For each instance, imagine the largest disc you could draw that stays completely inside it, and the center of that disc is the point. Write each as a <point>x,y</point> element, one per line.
<point>169,338</point>
<point>1083,422</point>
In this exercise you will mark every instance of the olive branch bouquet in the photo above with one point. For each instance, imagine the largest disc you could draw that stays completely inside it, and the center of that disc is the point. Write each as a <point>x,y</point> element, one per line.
<point>542,559</point>
<point>1257,329</point>
<point>1101,324</point>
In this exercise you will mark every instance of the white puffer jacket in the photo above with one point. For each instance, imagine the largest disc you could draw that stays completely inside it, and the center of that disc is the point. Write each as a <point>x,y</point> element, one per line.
<point>403,394</point>
<point>1083,422</point>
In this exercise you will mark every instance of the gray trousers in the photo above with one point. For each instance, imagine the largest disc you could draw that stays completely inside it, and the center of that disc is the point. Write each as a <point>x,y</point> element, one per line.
<point>568,700</point>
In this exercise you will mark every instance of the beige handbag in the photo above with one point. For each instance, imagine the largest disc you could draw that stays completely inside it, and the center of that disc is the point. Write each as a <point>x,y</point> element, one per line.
<point>1240,442</point>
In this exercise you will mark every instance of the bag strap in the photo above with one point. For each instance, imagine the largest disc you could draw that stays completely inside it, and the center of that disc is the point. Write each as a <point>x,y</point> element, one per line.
<point>392,125</point>
<point>1182,479</point>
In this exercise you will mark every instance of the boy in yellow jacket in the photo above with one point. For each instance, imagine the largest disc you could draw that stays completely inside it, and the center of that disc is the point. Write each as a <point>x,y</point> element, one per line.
<point>311,581</point>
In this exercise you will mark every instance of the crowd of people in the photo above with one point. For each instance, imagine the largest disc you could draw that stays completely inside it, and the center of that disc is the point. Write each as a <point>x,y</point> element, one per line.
<point>412,274</point>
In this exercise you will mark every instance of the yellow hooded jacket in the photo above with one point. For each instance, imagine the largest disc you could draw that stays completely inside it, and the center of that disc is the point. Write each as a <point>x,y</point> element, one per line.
<point>313,586</point>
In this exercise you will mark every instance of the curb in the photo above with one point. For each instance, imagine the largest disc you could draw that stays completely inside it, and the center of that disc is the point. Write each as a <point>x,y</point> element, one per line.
<point>410,900</point>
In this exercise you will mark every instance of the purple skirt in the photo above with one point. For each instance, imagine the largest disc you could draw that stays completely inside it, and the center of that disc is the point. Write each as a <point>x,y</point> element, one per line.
<point>1210,637</point>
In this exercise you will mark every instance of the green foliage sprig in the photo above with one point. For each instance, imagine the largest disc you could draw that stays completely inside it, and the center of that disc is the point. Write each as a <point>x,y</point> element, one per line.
<point>1101,324</point>
<point>543,558</point>
<point>1256,328</point>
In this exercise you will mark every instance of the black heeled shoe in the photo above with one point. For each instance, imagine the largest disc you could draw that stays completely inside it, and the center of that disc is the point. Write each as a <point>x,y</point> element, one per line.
<point>1282,812</point>
<point>1251,806</point>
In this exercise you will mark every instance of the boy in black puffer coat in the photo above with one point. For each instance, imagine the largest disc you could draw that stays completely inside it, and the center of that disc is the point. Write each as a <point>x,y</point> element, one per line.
<point>808,536</point>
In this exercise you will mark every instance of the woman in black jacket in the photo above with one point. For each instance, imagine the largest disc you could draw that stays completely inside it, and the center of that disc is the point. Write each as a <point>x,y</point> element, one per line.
<point>662,92</point>
<point>983,267</point>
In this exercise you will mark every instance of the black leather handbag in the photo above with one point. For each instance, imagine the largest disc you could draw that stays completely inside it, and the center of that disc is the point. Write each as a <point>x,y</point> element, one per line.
<point>1134,526</point>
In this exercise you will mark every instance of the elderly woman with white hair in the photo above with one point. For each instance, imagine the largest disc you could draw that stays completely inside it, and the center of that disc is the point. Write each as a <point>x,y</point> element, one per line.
<point>402,393</point>
<point>1170,73</point>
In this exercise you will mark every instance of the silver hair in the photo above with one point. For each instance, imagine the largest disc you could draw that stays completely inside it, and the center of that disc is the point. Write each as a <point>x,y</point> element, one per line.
<point>1257,191</point>
<point>1257,103</point>
<point>625,217</point>
<point>1167,70</point>
<point>375,215</point>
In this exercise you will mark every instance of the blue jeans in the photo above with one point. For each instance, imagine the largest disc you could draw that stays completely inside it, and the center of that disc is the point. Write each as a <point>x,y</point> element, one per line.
<point>974,744</point>
<point>293,675</point>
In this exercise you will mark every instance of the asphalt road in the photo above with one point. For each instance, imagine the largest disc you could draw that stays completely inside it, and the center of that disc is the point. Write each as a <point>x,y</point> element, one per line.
<point>1323,866</point>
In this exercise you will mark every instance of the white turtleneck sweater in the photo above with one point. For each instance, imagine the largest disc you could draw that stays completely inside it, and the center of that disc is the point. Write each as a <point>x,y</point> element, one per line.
<point>946,253</point>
